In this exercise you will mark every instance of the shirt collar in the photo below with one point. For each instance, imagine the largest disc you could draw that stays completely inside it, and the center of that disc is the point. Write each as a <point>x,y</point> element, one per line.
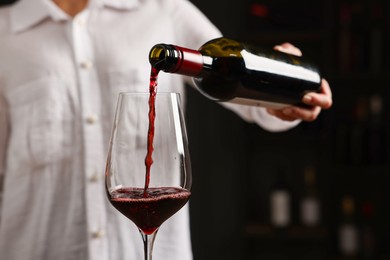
<point>121,4</point>
<point>27,13</point>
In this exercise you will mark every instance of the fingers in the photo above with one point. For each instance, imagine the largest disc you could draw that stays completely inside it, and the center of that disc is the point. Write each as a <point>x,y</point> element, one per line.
<point>288,48</point>
<point>279,114</point>
<point>294,113</point>
<point>323,99</point>
<point>305,114</point>
<point>317,101</point>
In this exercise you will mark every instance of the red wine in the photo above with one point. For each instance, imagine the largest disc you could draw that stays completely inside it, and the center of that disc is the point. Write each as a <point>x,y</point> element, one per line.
<point>149,212</point>
<point>227,70</point>
<point>152,117</point>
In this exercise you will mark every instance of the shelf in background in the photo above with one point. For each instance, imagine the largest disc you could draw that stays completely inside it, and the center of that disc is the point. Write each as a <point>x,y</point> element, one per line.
<point>294,233</point>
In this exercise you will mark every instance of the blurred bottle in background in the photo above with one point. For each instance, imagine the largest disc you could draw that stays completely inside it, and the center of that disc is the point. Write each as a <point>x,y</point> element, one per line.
<point>367,232</point>
<point>377,137</point>
<point>348,235</point>
<point>280,202</point>
<point>310,203</point>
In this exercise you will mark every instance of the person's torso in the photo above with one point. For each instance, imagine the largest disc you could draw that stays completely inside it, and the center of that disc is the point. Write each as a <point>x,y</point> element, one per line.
<point>61,82</point>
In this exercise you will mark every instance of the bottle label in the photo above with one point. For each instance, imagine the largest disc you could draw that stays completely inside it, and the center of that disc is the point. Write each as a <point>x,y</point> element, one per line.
<point>348,239</point>
<point>280,208</point>
<point>310,211</point>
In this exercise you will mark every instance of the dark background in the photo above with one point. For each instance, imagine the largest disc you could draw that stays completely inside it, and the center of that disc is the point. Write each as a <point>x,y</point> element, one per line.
<point>235,163</point>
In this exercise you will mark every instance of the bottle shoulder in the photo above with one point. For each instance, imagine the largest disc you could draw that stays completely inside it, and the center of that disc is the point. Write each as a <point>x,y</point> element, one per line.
<point>222,47</point>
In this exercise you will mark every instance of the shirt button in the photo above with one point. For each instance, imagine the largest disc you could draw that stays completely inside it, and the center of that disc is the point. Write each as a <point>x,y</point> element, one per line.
<point>86,64</point>
<point>92,119</point>
<point>94,178</point>
<point>98,234</point>
<point>80,22</point>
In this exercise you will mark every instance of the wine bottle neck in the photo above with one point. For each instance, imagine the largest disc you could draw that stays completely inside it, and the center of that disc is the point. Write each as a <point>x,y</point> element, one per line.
<point>176,59</point>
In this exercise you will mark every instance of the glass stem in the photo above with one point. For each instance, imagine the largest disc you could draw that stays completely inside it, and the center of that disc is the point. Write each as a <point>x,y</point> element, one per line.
<point>148,244</point>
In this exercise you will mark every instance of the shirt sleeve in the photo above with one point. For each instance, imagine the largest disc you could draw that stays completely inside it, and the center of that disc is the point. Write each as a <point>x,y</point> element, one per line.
<point>261,117</point>
<point>193,29</point>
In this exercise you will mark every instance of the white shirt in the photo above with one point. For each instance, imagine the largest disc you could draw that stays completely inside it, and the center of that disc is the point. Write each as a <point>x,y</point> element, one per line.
<point>59,82</point>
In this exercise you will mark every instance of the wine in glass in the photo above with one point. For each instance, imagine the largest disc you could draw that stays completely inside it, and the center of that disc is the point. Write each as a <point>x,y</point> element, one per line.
<point>148,173</point>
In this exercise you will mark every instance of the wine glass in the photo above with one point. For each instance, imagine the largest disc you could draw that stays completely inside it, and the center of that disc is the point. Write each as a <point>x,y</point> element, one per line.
<point>148,173</point>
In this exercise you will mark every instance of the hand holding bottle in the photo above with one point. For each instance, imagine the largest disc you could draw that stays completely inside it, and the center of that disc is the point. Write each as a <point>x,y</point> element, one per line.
<point>318,101</point>
<point>226,70</point>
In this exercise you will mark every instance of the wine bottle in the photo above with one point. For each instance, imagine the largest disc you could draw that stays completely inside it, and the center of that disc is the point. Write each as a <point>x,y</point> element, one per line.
<point>310,203</point>
<point>377,132</point>
<point>280,203</point>
<point>348,231</point>
<point>368,236</point>
<point>227,70</point>
<point>358,133</point>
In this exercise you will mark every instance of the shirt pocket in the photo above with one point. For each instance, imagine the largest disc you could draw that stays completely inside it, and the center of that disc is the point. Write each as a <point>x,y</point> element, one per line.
<point>42,121</point>
<point>128,80</point>
<point>133,80</point>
